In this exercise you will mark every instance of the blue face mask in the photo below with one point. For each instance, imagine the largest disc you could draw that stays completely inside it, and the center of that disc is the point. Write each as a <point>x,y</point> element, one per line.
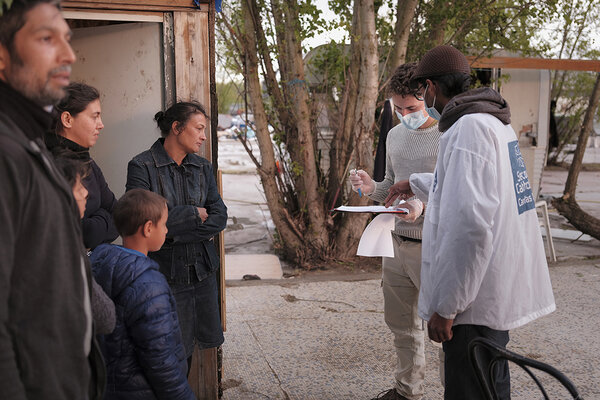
<point>433,113</point>
<point>413,120</point>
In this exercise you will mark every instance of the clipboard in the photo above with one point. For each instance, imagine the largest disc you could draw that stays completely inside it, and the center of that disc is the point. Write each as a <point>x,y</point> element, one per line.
<point>372,209</point>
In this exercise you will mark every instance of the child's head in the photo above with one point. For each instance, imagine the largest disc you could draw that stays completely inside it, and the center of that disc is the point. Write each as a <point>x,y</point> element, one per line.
<point>74,171</point>
<point>144,213</point>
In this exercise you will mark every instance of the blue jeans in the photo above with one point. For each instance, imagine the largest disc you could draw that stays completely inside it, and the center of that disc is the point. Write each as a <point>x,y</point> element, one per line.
<point>198,313</point>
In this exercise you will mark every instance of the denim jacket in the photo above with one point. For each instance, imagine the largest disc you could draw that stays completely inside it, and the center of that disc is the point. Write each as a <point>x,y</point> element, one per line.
<point>189,247</point>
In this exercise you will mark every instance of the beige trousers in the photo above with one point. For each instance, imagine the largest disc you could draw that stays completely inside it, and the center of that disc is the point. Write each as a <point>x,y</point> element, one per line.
<point>401,282</point>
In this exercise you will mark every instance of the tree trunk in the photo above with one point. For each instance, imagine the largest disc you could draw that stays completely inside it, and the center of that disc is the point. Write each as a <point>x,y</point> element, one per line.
<point>302,228</point>
<point>267,170</point>
<point>270,74</point>
<point>580,219</point>
<point>351,227</point>
<point>297,201</point>
<point>310,197</point>
<point>439,22</point>
<point>404,16</point>
<point>567,205</point>
<point>343,143</point>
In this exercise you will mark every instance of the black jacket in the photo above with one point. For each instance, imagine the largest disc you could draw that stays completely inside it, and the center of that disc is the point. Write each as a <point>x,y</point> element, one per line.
<point>45,320</point>
<point>97,223</point>
<point>144,355</point>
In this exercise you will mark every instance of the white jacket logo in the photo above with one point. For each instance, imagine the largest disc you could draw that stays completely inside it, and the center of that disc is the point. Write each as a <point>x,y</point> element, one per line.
<point>523,194</point>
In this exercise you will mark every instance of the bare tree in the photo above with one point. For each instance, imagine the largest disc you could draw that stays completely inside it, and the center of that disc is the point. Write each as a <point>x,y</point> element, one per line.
<point>264,43</point>
<point>567,205</point>
<point>575,19</point>
<point>298,195</point>
<point>405,12</point>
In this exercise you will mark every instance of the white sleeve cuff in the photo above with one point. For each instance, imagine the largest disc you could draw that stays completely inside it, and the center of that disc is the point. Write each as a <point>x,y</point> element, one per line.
<point>420,184</point>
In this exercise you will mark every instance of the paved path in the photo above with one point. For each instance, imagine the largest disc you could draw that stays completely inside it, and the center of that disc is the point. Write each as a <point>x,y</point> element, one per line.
<point>328,340</point>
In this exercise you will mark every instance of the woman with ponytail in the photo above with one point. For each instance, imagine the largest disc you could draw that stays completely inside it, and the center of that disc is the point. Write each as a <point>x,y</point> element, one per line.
<point>188,258</point>
<point>77,128</point>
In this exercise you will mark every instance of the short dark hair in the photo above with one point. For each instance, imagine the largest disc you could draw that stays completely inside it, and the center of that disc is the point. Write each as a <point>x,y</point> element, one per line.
<point>453,84</point>
<point>70,164</point>
<point>78,96</point>
<point>12,19</point>
<point>179,112</point>
<point>135,208</point>
<point>399,82</point>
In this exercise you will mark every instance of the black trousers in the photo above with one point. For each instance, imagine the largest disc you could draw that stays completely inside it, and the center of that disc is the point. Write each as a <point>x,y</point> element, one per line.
<point>461,382</point>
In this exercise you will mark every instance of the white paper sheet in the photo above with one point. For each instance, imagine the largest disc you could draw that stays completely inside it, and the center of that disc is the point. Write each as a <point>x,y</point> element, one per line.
<point>376,240</point>
<point>374,209</point>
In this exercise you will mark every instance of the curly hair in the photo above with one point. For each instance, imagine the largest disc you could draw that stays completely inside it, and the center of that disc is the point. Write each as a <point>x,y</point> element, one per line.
<point>399,82</point>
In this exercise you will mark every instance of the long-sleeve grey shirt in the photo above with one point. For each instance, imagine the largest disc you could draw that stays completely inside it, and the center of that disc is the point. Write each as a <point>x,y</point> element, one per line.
<point>407,152</point>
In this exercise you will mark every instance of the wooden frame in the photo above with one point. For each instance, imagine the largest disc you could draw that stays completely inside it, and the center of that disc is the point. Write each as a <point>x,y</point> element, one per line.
<point>534,63</point>
<point>135,5</point>
<point>114,15</point>
<point>192,72</point>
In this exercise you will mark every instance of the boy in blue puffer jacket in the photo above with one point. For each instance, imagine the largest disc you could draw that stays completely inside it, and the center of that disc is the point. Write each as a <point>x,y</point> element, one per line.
<point>144,355</point>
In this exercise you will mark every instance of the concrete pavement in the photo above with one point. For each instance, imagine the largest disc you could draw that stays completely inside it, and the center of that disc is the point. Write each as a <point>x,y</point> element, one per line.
<point>328,340</point>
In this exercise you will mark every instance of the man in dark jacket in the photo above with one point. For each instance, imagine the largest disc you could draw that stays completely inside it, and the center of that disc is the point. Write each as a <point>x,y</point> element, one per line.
<point>46,337</point>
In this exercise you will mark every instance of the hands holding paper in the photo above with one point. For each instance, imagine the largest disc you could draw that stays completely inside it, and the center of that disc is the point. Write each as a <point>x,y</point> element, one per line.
<point>415,209</point>
<point>361,181</point>
<point>399,189</point>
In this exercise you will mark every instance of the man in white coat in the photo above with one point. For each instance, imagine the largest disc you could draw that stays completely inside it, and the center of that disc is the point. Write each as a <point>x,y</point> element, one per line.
<point>484,269</point>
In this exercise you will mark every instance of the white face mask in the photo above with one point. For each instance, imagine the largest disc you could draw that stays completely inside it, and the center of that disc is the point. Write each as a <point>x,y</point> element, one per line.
<point>413,120</point>
<point>432,111</point>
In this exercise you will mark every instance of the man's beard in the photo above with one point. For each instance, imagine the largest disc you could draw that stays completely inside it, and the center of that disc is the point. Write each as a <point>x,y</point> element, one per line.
<point>21,80</point>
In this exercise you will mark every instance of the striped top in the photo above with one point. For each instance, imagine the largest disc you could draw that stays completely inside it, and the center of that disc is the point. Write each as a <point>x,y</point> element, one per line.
<point>407,152</point>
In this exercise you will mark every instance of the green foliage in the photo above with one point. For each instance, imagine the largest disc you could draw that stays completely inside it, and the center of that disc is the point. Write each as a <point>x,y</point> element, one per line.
<point>343,10</point>
<point>571,28</point>
<point>478,27</point>
<point>296,168</point>
<point>229,94</point>
<point>327,66</point>
<point>229,56</point>
<point>310,19</point>
<point>571,105</point>
<point>570,34</point>
<point>385,24</point>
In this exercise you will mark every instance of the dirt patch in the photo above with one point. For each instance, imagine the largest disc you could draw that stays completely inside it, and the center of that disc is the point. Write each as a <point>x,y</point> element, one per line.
<point>354,268</point>
<point>230,383</point>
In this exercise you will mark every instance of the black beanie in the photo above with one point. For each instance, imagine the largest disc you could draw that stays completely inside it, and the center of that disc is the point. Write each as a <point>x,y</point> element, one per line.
<point>441,60</point>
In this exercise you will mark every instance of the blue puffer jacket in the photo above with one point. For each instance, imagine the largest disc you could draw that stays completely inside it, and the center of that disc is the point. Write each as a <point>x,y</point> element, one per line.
<point>144,355</point>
